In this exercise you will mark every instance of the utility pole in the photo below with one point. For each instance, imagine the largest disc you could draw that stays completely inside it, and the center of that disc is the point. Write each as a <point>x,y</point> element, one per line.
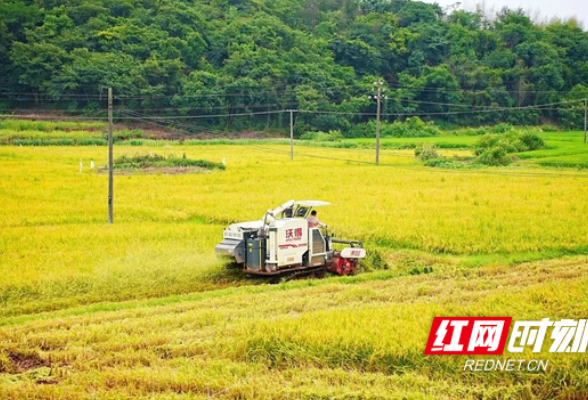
<point>110,162</point>
<point>585,114</point>
<point>291,135</point>
<point>378,97</point>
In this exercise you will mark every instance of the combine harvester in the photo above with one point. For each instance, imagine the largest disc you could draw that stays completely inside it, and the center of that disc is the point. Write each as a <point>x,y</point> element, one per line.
<point>282,245</point>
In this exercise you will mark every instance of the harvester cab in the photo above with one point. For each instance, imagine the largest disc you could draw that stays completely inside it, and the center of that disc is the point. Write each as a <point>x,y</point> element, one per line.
<point>282,245</point>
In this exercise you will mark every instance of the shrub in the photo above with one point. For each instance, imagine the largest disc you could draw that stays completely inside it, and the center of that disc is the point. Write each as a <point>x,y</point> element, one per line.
<point>493,149</point>
<point>361,131</point>
<point>494,156</point>
<point>501,128</point>
<point>426,152</point>
<point>472,131</point>
<point>485,142</point>
<point>331,136</point>
<point>531,141</point>
<point>549,128</point>
<point>412,127</point>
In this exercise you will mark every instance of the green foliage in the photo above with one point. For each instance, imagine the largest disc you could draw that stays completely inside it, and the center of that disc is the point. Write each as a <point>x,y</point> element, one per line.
<point>472,131</point>
<point>139,161</point>
<point>374,261</point>
<point>494,156</point>
<point>426,152</point>
<point>412,127</point>
<point>494,149</point>
<point>59,142</point>
<point>126,134</point>
<point>572,114</point>
<point>50,126</point>
<point>448,164</point>
<point>501,128</point>
<point>366,130</point>
<point>229,57</point>
<point>331,136</point>
<point>549,128</point>
<point>530,141</point>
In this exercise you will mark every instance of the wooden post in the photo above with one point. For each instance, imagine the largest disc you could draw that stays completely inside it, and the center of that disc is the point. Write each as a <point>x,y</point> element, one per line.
<point>585,113</point>
<point>291,135</point>
<point>110,161</point>
<point>379,96</point>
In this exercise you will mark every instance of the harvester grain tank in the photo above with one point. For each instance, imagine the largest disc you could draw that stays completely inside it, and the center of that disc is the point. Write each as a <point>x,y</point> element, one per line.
<point>283,245</point>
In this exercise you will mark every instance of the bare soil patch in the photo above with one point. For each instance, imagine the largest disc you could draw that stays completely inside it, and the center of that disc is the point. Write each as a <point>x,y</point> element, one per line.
<point>25,362</point>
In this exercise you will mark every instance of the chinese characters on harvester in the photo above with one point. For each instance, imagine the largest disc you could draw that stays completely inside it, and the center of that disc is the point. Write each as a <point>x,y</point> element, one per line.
<point>293,234</point>
<point>488,336</point>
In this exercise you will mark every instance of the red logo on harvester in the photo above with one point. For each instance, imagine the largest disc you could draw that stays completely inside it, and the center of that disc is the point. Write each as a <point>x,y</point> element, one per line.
<point>293,234</point>
<point>461,335</point>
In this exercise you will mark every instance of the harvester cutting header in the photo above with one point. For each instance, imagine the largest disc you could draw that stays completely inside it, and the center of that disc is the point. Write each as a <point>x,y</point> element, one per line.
<point>286,243</point>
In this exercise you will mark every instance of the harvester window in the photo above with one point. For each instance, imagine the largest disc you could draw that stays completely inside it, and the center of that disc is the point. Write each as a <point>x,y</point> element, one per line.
<point>301,212</point>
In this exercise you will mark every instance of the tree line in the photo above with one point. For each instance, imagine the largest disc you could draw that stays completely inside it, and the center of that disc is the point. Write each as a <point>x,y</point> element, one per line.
<point>226,57</point>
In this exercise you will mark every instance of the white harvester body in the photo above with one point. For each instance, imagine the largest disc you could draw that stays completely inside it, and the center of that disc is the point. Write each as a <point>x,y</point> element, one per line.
<point>282,242</point>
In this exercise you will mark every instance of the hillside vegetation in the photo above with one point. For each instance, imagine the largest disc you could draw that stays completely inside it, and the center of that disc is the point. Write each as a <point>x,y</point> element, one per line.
<point>221,57</point>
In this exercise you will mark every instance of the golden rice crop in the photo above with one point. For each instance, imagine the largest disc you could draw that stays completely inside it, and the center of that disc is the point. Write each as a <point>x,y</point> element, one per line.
<point>142,308</point>
<point>57,250</point>
<point>327,339</point>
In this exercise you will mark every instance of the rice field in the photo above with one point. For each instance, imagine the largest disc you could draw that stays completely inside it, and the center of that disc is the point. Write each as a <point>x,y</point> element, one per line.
<point>358,338</point>
<point>142,308</point>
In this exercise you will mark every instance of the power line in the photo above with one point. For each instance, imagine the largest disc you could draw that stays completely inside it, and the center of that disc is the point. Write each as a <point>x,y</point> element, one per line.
<point>429,169</point>
<point>425,114</point>
<point>480,106</point>
<point>442,89</point>
<point>397,166</point>
<point>397,114</point>
<point>264,149</point>
<point>540,107</point>
<point>162,123</point>
<point>138,116</point>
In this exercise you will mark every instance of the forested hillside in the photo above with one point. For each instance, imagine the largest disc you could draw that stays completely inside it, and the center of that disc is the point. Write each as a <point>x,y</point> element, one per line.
<point>220,57</point>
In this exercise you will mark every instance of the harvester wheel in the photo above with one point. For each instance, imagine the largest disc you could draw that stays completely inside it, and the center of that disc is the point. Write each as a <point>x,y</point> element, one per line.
<point>320,274</point>
<point>277,280</point>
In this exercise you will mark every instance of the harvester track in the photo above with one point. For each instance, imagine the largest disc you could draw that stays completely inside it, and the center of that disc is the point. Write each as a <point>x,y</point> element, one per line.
<point>315,272</point>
